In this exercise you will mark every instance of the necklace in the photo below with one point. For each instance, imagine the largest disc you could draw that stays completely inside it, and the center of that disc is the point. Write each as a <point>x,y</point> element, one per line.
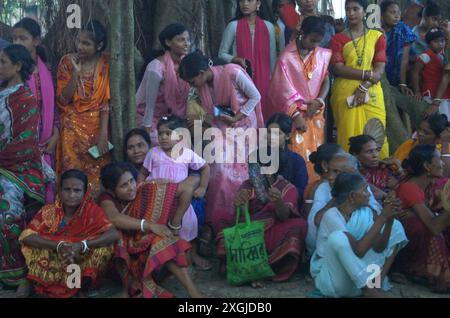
<point>308,62</point>
<point>355,45</point>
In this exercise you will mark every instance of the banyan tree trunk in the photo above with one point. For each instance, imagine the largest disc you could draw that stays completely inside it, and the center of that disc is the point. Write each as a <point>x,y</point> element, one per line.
<point>122,75</point>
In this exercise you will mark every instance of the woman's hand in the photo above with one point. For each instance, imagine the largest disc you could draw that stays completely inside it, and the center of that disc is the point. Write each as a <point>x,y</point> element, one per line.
<point>239,61</point>
<point>392,163</point>
<point>300,124</point>
<point>360,98</point>
<point>199,193</point>
<point>375,78</point>
<point>430,110</point>
<point>405,90</point>
<point>275,195</point>
<point>392,207</point>
<point>242,197</point>
<point>314,107</point>
<point>76,63</point>
<point>102,144</point>
<point>50,145</point>
<point>418,97</point>
<point>158,229</point>
<point>230,121</point>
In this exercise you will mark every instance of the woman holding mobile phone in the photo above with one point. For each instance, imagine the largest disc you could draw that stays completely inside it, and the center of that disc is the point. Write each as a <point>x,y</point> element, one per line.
<point>83,98</point>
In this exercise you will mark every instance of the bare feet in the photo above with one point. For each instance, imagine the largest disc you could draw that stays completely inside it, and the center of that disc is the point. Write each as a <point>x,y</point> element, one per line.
<point>24,290</point>
<point>373,293</point>
<point>195,293</point>
<point>200,263</point>
<point>257,284</point>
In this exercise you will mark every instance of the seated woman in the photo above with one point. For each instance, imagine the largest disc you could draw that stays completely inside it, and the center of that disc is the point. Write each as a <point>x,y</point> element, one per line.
<point>323,200</point>
<point>321,159</point>
<point>295,171</point>
<point>136,146</point>
<point>147,244</point>
<point>427,226</point>
<point>382,175</point>
<point>74,230</point>
<point>284,231</point>
<point>341,265</point>
<point>431,131</point>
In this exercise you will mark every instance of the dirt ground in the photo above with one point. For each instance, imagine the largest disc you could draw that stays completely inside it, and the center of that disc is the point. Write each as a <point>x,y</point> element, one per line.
<point>215,286</point>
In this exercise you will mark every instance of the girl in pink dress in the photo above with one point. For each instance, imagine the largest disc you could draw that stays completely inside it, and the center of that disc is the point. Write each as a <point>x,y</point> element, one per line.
<point>171,162</point>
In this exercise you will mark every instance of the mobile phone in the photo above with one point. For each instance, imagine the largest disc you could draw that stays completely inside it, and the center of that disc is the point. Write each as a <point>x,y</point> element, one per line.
<point>220,110</point>
<point>95,153</point>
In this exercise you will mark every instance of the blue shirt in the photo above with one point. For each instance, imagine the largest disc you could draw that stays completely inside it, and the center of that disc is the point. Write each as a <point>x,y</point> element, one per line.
<point>396,39</point>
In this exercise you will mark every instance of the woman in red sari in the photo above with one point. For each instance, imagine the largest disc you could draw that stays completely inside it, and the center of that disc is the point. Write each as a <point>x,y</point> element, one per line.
<point>147,245</point>
<point>284,231</point>
<point>381,175</point>
<point>427,224</point>
<point>27,32</point>
<point>21,179</point>
<point>74,230</point>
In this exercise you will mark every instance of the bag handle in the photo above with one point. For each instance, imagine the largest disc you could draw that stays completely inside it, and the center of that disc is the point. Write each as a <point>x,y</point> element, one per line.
<point>246,214</point>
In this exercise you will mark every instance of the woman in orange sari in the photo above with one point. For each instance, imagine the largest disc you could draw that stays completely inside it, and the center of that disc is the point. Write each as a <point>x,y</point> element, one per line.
<point>74,230</point>
<point>83,98</point>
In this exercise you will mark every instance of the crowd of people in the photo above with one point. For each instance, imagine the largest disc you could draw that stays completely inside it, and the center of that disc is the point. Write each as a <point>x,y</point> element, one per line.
<point>340,206</point>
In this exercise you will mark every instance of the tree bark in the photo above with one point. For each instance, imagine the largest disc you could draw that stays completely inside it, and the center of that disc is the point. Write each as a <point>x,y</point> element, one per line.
<point>116,71</point>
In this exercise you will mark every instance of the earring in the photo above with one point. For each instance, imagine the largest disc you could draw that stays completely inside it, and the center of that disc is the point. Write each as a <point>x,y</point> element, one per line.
<point>210,63</point>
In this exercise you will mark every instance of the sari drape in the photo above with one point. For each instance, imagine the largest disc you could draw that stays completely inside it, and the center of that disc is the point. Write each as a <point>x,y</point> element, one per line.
<point>352,121</point>
<point>45,269</point>
<point>80,120</point>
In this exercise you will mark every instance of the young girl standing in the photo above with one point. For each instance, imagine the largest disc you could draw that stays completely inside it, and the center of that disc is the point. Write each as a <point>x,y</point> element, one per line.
<point>250,38</point>
<point>429,66</point>
<point>163,162</point>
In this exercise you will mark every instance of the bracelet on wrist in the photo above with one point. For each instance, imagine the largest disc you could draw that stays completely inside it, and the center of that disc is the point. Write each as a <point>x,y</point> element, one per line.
<point>58,245</point>
<point>173,227</point>
<point>321,101</point>
<point>85,246</point>
<point>142,225</point>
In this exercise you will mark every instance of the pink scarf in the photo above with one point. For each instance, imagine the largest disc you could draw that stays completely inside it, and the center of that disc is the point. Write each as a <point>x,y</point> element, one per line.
<point>48,99</point>
<point>258,53</point>
<point>47,110</point>
<point>289,82</point>
<point>225,92</point>
<point>176,91</point>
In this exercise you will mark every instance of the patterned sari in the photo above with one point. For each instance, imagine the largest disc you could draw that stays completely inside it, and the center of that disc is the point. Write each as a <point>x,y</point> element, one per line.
<point>352,121</point>
<point>295,81</point>
<point>21,178</point>
<point>427,256</point>
<point>80,120</point>
<point>45,268</point>
<point>284,239</point>
<point>146,253</point>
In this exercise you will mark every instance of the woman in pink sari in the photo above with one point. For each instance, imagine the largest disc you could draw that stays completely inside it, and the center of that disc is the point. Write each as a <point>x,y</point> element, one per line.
<point>299,86</point>
<point>231,88</point>
<point>27,32</point>
<point>162,92</point>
